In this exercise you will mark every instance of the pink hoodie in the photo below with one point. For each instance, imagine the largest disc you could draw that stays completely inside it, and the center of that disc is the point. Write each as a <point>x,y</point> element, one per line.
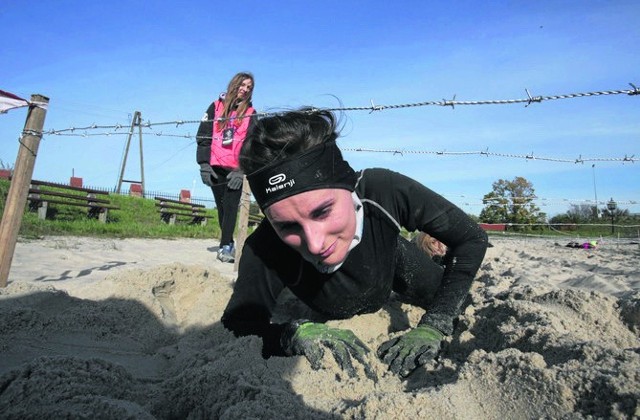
<point>227,155</point>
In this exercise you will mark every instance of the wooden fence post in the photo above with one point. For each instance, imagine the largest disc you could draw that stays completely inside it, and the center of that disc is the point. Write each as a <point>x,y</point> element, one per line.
<point>243,223</point>
<point>19,188</point>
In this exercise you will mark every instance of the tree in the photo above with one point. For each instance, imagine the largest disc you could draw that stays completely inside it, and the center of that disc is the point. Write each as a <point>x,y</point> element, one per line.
<point>511,202</point>
<point>618,213</point>
<point>581,213</point>
<point>577,214</point>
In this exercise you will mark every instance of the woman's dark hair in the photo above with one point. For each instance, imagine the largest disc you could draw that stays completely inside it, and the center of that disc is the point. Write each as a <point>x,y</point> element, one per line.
<point>279,137</point>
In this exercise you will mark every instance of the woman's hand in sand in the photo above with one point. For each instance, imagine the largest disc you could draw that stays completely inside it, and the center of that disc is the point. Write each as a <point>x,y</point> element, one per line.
<point>415,348</point>
<point>310,339</point>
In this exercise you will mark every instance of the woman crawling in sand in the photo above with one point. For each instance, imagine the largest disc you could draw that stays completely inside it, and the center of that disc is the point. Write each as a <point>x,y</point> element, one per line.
<point>332,236</point>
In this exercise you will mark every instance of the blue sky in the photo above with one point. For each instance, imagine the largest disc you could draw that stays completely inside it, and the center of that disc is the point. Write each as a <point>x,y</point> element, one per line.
<point>98,62</point>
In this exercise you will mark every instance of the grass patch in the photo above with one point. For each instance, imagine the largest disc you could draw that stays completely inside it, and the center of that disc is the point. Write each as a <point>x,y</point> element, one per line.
<point>137,218</point>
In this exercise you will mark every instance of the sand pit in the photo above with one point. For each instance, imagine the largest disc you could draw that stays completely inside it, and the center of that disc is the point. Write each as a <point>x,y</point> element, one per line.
<point>131,329</point>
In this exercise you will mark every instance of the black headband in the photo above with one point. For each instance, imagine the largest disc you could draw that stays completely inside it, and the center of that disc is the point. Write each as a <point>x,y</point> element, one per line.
<point>322,166</point>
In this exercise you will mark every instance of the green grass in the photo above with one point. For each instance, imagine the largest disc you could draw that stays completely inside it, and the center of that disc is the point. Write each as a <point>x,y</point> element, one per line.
<point>136,218</point>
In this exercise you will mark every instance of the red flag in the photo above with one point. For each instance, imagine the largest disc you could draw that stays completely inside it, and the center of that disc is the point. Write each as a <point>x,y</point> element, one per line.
<point>9,101</point>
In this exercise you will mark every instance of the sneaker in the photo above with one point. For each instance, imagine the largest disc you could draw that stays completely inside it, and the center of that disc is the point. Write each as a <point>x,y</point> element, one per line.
<point>225,254</point>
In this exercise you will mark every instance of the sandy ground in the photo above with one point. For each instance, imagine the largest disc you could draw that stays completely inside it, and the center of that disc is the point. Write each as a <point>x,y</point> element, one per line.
<point>131,329</point>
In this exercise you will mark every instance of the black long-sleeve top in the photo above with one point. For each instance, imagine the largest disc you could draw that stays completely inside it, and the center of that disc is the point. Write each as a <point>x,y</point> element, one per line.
<point>365,280</point>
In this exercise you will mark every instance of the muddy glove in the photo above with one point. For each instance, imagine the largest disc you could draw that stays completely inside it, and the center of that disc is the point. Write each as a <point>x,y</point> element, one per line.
<point>415,348</point>
<point>235,180</point>
<point>208,176</point>
<point>310,339</point>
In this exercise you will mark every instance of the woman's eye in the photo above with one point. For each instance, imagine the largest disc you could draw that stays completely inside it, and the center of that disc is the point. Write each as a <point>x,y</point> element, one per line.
<point>322,213</point>
<point>287,227</point>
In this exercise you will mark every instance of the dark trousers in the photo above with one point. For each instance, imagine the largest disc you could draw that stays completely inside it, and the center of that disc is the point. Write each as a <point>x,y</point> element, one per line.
<point>227,203</point>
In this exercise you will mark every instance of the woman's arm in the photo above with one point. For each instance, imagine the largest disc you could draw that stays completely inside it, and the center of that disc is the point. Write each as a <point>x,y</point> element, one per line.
<point>416,207</point>
<point>203,137</point>
<point>468,244</point>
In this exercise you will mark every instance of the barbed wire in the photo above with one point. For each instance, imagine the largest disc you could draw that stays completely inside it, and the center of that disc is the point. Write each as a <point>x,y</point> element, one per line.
<point>114,133</point>
<point>85,134</point>
<point>372,108</point>
<point>401,152</point>
<point>485,152</point>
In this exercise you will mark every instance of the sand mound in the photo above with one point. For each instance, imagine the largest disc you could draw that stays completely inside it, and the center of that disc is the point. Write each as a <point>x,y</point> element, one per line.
<point>551,332</point>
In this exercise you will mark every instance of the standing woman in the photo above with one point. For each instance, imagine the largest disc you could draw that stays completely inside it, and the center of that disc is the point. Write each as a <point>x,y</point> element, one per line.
<point>332,237</point>
<point>220,137</point>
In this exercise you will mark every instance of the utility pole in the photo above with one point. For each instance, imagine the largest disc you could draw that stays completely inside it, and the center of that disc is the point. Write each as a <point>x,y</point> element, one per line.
<point>136,121</point>
<point>19,188</point>
<point>595,193</point>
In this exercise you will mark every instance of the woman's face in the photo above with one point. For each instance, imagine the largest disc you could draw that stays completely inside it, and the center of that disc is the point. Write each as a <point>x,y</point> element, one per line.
<point>318,223</point>
<point>245,88</point>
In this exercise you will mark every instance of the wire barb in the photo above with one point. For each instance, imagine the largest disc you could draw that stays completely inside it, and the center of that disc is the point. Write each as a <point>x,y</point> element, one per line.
<point>450,103</point>
<point>532,99</point>
<point>374,107</point>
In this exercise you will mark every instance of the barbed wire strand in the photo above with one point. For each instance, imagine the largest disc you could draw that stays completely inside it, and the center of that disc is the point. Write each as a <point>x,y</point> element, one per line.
<point>372,108</point>
<point>531,156</point>
<point>402,152</point>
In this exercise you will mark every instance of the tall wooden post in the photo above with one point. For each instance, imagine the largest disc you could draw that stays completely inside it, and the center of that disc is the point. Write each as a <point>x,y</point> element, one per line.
<point>20,181</point>
<point>243,222</point>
